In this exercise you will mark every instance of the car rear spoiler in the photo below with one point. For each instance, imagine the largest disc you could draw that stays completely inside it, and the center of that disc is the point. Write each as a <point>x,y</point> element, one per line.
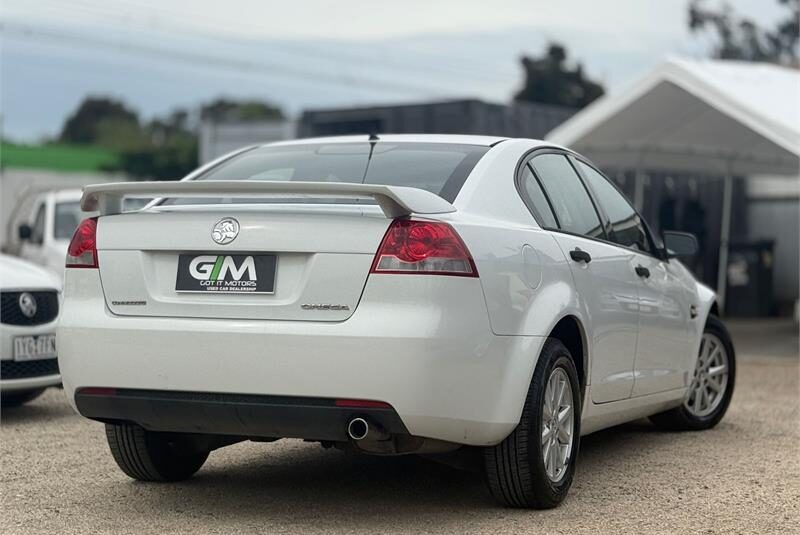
<point>395,201</point>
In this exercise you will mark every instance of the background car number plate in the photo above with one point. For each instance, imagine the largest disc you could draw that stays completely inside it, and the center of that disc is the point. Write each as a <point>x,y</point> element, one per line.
<point>42,346</point>
<point>234,273</point>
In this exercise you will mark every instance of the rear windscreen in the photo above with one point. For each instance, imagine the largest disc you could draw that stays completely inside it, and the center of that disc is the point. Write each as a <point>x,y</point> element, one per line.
<point>440,168</point>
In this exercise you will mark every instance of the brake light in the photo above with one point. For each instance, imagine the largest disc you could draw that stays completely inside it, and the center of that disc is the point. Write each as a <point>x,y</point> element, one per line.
<point>82,251</point>
<point>424,248</point>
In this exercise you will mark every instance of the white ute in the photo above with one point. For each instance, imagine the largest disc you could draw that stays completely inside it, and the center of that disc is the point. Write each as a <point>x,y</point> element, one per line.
<point>389,295</point>
<point>30,298</point>
<point>43,236</point>
<point>45,233</point>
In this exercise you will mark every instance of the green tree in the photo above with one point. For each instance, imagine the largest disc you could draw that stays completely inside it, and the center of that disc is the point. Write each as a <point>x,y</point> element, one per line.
<point>163,148</point>
<point>95,117</point>
<point>224,110</point>
<point>740,38</point>
<point>549,80</point>
<point>170,153</point>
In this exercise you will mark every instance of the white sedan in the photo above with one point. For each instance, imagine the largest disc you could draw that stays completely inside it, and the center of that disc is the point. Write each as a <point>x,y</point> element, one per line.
<point>30,302</point>
<point>388,295</point>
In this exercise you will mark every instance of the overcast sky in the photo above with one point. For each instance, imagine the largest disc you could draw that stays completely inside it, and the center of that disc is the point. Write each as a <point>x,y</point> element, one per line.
<point>378,19</point>
<point>157,55</point>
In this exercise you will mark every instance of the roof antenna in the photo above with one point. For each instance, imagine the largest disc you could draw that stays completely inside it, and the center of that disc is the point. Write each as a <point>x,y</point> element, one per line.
<point>373,139</point>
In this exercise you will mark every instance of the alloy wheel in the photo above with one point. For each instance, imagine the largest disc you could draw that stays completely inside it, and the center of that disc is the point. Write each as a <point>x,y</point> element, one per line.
<point>557,425</point>
<point>710,379</point>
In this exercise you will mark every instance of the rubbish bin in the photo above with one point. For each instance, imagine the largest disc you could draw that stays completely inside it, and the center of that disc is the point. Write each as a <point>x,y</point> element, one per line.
<point>749,292</point>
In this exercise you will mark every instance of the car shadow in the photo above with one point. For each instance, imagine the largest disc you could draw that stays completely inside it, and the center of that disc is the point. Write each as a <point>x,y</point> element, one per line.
<point>313,489</point>
<point>305,486</point>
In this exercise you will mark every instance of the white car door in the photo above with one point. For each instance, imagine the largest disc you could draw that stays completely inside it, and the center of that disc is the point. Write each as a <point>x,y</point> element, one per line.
<point>663,345</point>
<point>603,273</point>
<point>32,248</point>
<point>661,357</point>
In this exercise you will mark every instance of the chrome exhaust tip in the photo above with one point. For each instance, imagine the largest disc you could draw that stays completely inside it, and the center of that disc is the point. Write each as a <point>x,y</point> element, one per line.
<point>358,429</point>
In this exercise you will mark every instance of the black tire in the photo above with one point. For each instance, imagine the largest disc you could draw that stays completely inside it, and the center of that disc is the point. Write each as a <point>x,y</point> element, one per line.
<point>515,469</point>
<point>149,456</point>
<point>11,400</point>
<point>680,418</point>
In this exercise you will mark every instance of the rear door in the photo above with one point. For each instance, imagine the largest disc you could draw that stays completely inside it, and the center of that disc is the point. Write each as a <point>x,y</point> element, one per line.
<point>663,348</point>
<point>603,273</point>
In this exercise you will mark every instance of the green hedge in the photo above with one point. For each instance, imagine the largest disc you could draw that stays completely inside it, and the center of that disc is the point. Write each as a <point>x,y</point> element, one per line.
<point>56,157</point>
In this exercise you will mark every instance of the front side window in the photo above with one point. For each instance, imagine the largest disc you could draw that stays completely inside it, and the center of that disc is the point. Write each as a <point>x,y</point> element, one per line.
<point>626,225</point>
<point>570,201</point>
<point>441,168</point>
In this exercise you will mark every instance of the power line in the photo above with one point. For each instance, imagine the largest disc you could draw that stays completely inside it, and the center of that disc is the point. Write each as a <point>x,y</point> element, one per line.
<point>231,25</point>
<point>198,60</point>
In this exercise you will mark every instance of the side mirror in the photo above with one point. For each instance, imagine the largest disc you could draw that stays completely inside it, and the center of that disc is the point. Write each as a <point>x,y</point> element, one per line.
<point>25,232</point>
<point>679,244</point>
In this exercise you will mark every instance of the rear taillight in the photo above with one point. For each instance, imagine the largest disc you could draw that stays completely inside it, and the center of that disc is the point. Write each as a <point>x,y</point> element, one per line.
<point>425,248</point>
<point>82,251</point>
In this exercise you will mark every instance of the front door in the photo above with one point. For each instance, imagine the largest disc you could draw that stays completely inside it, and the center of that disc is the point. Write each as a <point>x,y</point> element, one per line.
<point>663,359</point>
<point>32,249</point>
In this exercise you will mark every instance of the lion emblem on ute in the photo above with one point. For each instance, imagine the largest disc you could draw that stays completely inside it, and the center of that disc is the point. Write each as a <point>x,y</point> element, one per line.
<point>225,231</point>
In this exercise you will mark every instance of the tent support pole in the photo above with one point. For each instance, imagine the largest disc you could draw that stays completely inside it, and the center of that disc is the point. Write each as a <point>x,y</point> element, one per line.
<point>638,190</point>
<point>638,185</point>
<point>724,238</point>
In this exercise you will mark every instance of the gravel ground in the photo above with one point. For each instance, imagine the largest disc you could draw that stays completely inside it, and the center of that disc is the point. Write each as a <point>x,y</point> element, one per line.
<point>57,476</point>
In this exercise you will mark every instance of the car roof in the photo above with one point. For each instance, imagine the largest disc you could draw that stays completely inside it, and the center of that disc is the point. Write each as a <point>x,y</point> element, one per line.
<point>60,195</point>
<point>486,141</point>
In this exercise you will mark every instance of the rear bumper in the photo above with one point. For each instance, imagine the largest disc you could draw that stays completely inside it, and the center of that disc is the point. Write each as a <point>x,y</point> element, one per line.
<point>231,414</point>
<point>429,353</point>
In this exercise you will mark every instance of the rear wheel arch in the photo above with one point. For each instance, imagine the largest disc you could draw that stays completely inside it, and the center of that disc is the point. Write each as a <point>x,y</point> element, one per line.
<point>518,468</point>
<point>570,331</point>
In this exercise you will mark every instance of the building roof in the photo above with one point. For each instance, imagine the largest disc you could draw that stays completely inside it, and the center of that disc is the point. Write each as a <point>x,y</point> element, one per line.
<point>707,116</point>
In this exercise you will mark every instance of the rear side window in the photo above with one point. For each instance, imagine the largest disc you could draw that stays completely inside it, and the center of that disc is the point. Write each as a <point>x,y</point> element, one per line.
<point>570,201</point>
<point>441,168</point>
<point>532,191</point>
<point>626,225</point>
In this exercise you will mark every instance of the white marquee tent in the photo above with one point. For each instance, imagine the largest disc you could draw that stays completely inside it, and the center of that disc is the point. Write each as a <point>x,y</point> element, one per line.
<point>725,118</point>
